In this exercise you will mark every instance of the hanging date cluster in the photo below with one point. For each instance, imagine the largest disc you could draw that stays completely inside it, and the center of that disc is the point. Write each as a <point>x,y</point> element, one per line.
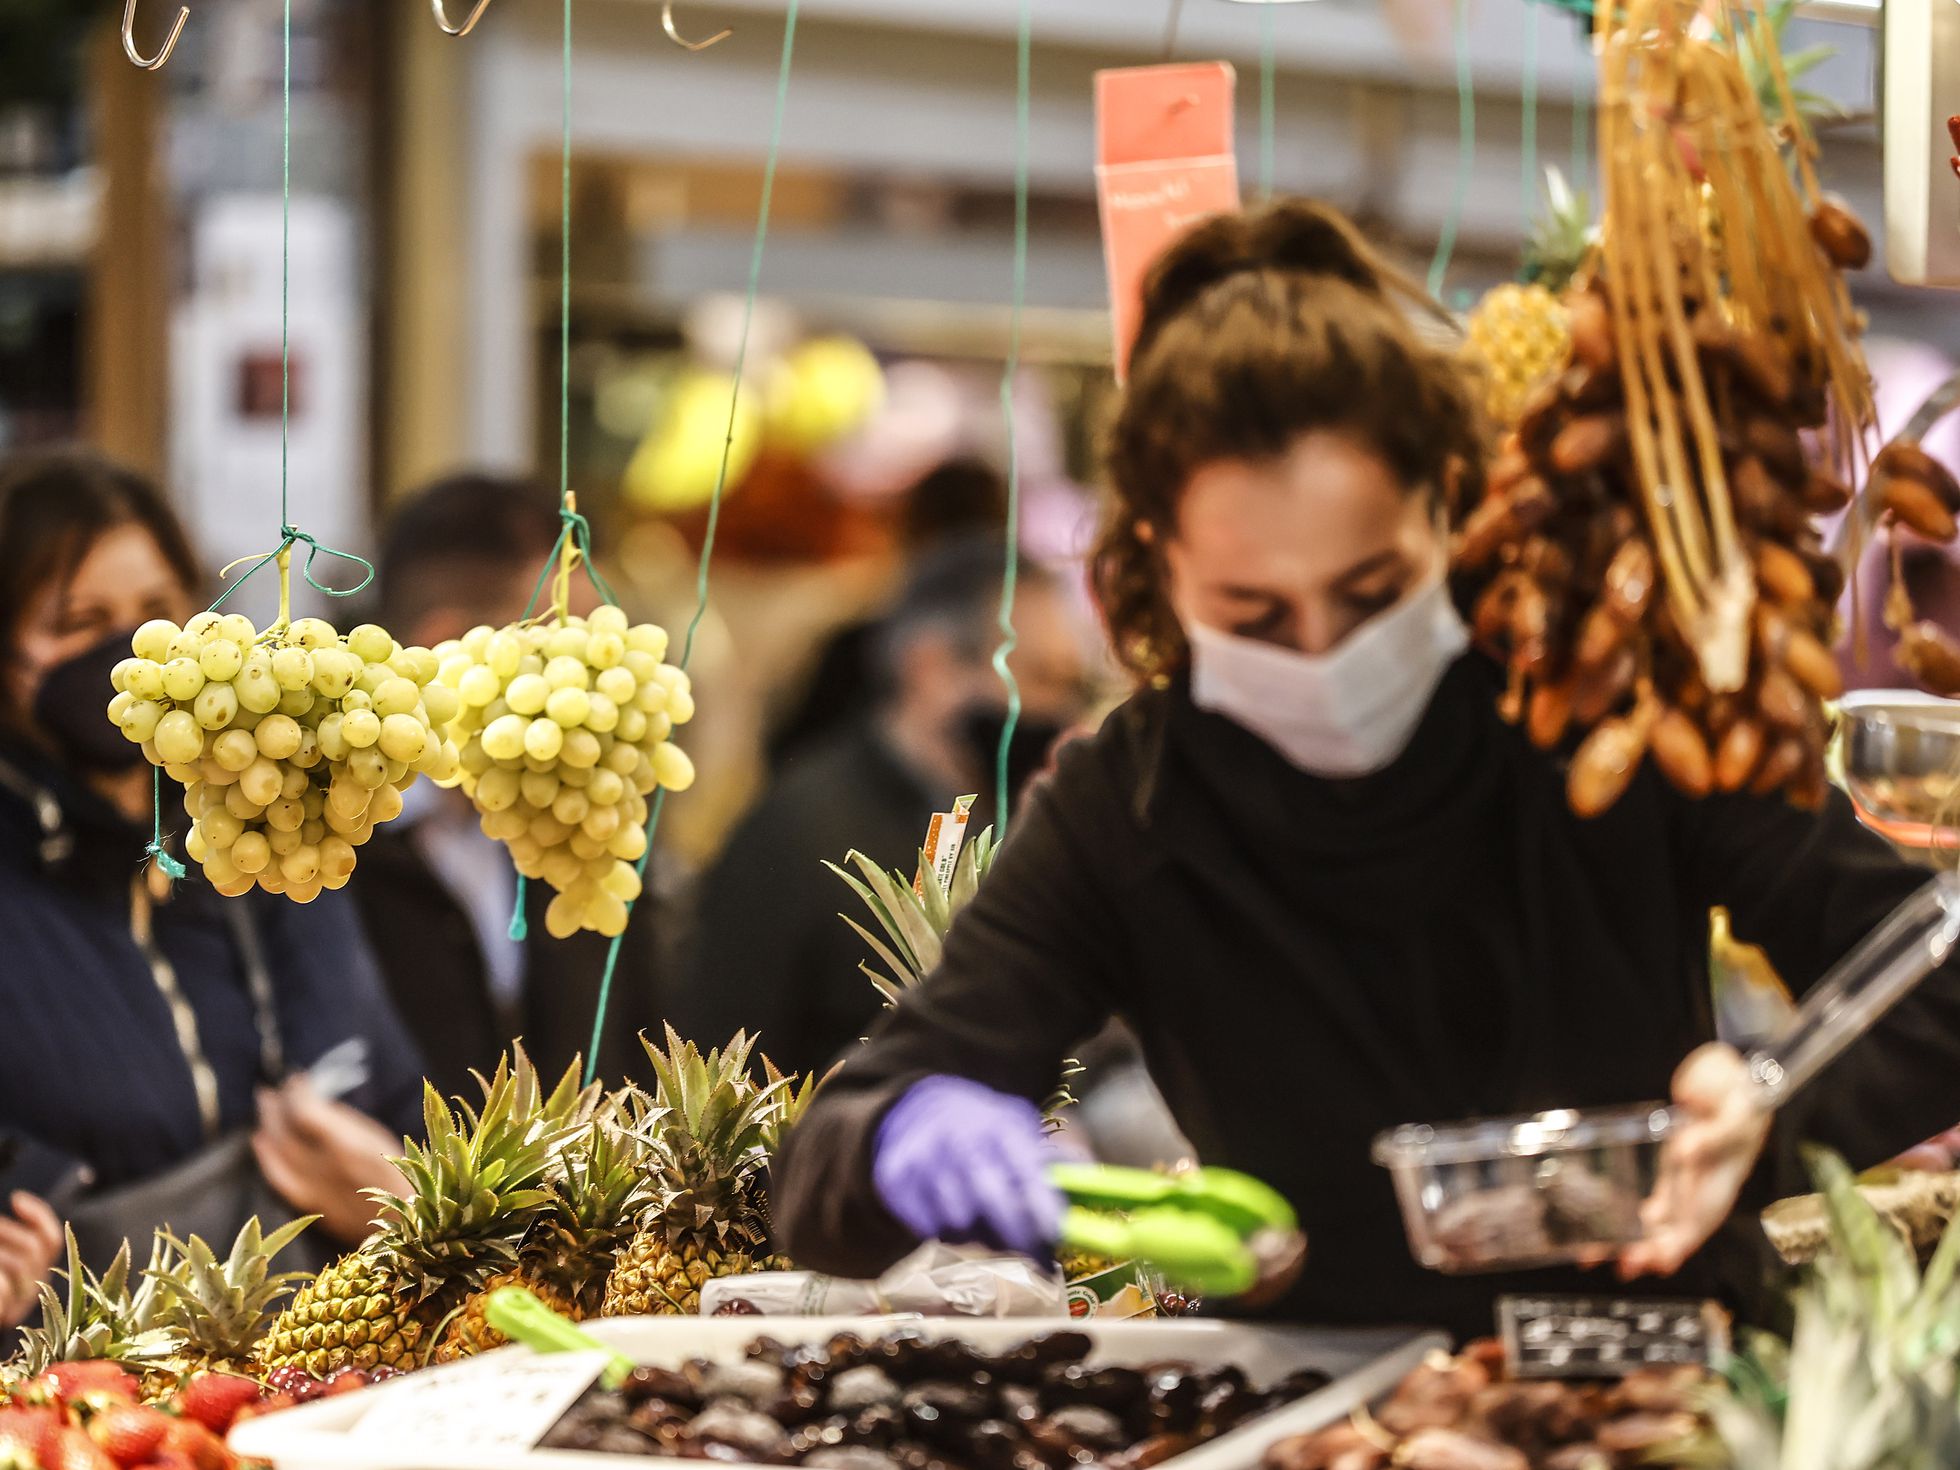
<point>1574,602</point>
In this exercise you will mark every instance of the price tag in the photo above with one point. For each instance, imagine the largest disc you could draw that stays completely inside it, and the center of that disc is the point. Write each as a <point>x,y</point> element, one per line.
<point>492,1405</point>
<point>1607,1337</point>
<point>1163,162</point>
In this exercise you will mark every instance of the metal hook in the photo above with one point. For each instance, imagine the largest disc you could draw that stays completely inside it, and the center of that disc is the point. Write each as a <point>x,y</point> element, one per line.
<point>169,41</point>
<point>442,18</point>
<point>667,25</point>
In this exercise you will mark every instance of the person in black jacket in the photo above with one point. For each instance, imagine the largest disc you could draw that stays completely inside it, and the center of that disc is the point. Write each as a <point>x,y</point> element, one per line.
<point>1329,887</point>
<point>153,1062</point>
<point>437,904</point>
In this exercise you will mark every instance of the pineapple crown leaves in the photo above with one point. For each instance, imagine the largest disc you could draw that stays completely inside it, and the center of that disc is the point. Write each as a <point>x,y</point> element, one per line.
<point>793,1100</point>
<point>224,1307</point>
<point>1562,235</point>
<point>914,924</point>
<point>95,1316</point>
<point>1753,52</point>
<point>710,1127</point>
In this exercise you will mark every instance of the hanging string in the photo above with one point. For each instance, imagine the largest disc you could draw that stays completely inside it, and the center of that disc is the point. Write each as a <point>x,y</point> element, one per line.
<point>1010,370</point>
<point>1530,99</point>
<point>1466,152</point>
<point>1267,68</point>
<point>714,500</point>
<point>166,864</point>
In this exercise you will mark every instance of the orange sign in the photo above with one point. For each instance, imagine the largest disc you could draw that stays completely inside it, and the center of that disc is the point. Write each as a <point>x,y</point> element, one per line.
<point>1164,161</point>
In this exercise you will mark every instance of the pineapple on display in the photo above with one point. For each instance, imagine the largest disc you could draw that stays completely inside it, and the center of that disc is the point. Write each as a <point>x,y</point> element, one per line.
<point>476,1185</point>
<point>216,1312</point>
<point>707,1218</point>
<point>602,1186</point>
<point>96,1317</point>
<point>1516,336</point>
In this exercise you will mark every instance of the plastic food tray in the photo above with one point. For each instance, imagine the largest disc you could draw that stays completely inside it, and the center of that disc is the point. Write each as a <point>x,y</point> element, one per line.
<point>1366,1364</point>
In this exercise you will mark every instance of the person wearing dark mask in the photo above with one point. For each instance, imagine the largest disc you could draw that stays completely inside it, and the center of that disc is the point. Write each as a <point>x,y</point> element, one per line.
<point>770,953</point>
<point>155,1065</point>
<point>1330,888</point>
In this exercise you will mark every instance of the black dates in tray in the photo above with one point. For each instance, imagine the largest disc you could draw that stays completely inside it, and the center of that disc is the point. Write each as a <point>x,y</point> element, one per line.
<point>909,1401</point>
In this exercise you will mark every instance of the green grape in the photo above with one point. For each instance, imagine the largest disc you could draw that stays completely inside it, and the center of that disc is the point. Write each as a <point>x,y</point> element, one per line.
<point>441,703</point>
<point>621,881</point>
<point>527,694</point>
<point>262,782</point>
<point>566,672</point>
<point>561,917</point>
<point>145,679</point>
<point>586,847</point>
<point>257,690</point>
<point>403,738</point>
<point>293,783</point>
<point>119,706</point>
<point>503,738</point>
<point>292,668</point>
<point>642,666</point>
<point>539,788</point>
<point>369,767</point>
<point>311,633</point>
<point>242,806</point>
<point>221,659</point>
<point>648,639</point>
<point>503,653</point>
<point>183,644</point>
<point>600,823</point>
<point>568,707</point>
<point>476,760</point>
<point>601,714</point>
<point>195,847</point>
<point>672,767</point>
<point>547,831</point>
<point>632,727</point>
<point>608,618</point>
<point>622,759</point>
<point>560,868</point>
<point>182,678</point>
<point>360,728</point>
<point>178,737</point>
<point>659,727</point>
<point>334,672</point>
<point>237,628</point>
<point>203,624</point>
<point>282,840</point>
<point>216,705</point>
<point>235,750</point>
<point>605,650</point>
<point>477,640</point>
<point>336,858</point>
<point>606,914</point>
<point>479,685</point>
<point>139,721</point>
<point>680,707</point>
<point>505,824</point>
<point>419,664</point>
<point>301,865</point>
<point>543,739</point>
<point>497,790</point>
<point>220,828</point>
<point>652,697</point>
<point>580,749</point>
<point>308,755</point>
<point>152,640</point>
<point>386,806</point>
<point>278,736</point>
<point>396,696</point>
<point>618,685</point>
<point>371,644</point>
<point>251,853</point>
<point>570,807</point>
<point>605,787</point>
<point>629,844</point>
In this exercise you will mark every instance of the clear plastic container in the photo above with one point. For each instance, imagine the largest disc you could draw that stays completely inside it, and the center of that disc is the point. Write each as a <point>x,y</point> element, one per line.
<point>1517,1193</point>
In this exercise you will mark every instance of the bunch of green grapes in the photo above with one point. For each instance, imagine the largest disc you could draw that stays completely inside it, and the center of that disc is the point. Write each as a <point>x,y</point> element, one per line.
<point>290,745</point>
<point>562,738</point>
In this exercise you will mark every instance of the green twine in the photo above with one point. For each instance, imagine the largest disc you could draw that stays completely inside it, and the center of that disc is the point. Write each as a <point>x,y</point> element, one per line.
<point>1530,101</point>
<point>166,864</point>
<point>1466,137</point>
<point>1267,68</point>
<point>714,501</point>
<point>1010,574</point>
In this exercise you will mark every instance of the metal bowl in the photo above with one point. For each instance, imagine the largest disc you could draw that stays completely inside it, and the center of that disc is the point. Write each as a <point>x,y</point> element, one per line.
<point>1901,758</point>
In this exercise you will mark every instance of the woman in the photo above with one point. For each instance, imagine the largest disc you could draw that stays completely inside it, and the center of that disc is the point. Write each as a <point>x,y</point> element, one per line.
<point>152,1068</point>
<point>1330,889</point>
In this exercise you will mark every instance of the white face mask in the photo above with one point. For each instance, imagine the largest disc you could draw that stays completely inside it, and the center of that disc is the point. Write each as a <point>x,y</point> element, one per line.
<point>1349,711</point>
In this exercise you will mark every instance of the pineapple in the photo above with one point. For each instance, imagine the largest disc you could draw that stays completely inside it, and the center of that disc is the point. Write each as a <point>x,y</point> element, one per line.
<point>96,1317</point>
<point>1516,337</point>
<point>602,1188</point>
<point>476,1185</point>
<point>217,1311</point>
<point>707,1217</point>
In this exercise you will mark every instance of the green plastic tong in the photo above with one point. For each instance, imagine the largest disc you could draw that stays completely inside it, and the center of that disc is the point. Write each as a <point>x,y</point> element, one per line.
<point>1213,1231</point>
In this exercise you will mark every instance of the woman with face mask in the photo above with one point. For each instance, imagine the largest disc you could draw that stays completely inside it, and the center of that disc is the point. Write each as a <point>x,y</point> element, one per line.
<point>153,1061</point>
<point>1325,883</point>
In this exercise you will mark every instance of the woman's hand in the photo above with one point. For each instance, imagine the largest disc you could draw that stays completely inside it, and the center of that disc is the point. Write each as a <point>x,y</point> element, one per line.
<point>30,1245</point>
<point>320,1156</point>
<point>957,1161</point>
<point>1704,1161</point>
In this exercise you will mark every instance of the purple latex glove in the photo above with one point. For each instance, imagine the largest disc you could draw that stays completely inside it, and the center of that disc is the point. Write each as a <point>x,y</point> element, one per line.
<point>957,1161</point>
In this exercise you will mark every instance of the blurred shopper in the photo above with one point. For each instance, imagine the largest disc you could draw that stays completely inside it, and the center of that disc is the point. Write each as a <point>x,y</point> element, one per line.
<point>962,497</point>
<point>152,1067</point>
<point>438,894</point>
<point>770,952</point>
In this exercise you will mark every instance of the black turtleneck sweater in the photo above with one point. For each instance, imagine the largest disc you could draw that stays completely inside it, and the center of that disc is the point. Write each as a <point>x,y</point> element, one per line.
<point>1309,961</point>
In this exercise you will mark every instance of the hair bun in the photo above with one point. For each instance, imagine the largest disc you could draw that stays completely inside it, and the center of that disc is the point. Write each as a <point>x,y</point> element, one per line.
<point>1298,237</point>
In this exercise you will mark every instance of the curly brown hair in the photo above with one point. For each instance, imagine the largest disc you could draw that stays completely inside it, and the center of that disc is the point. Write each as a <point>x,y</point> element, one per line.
<point>1257,328</point>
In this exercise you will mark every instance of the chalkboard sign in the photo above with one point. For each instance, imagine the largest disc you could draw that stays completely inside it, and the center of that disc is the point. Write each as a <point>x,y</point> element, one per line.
<point>1607,1337</point>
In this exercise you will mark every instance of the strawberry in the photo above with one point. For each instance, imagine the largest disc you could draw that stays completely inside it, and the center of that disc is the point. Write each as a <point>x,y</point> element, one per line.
<point>199,1445</point>
<point>72,1380</point>
<point>271,1404</point>
<point>72,1449</point>
<point>171,1460</point>
<point>214,1399</point>
<point>129,1434</point>
<point>26,1433</point>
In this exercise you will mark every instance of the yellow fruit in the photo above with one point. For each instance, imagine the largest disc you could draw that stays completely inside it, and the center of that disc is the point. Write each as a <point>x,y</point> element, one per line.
<point>1517,339</point>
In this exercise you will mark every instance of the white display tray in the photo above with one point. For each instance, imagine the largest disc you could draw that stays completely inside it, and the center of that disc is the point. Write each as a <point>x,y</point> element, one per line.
<point>1365,1363</point>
